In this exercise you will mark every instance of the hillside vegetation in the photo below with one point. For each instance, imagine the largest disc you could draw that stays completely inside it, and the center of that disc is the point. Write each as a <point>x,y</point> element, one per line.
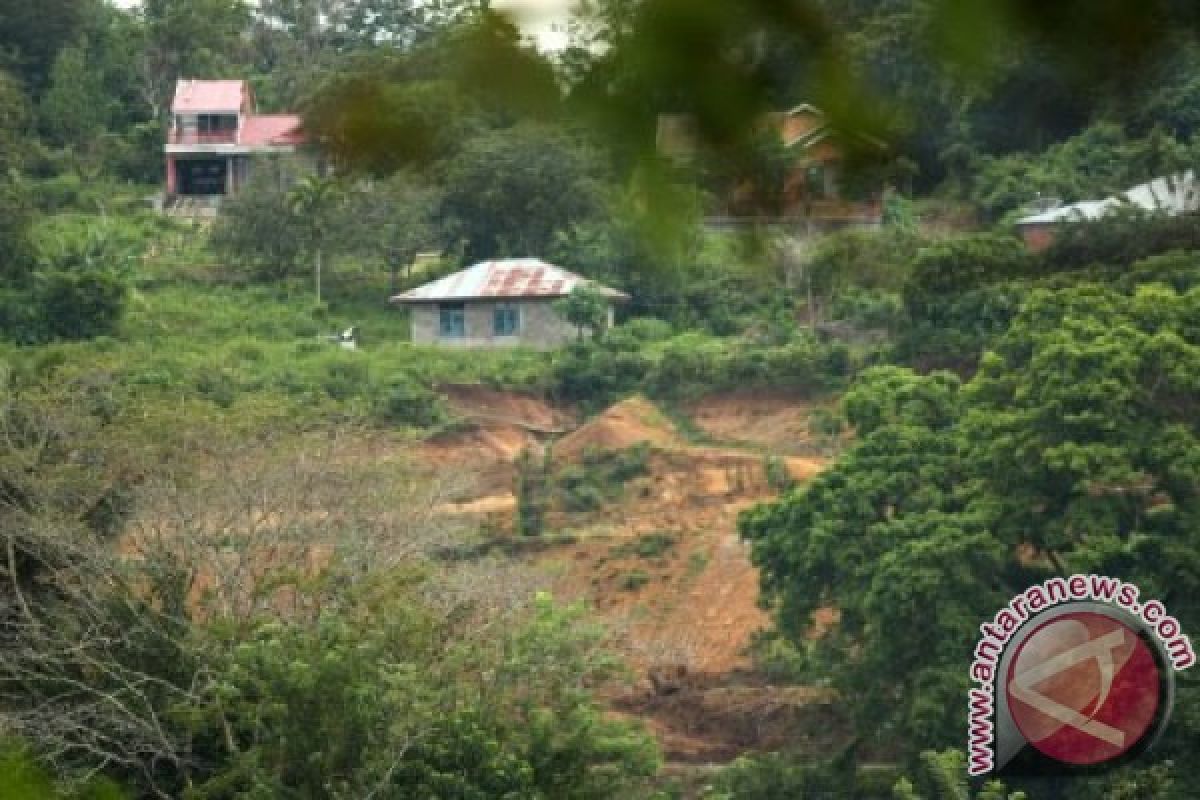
<point>737,546</point>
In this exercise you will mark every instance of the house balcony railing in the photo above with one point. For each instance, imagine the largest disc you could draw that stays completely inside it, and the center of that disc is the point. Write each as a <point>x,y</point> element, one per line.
<point>198,137</point>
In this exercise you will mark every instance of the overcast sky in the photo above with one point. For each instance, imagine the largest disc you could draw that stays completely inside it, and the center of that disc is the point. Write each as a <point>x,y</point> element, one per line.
<point>538,18</point>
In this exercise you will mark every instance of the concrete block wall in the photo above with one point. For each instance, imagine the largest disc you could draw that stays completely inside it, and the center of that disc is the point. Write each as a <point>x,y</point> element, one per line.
<point>541,326</point>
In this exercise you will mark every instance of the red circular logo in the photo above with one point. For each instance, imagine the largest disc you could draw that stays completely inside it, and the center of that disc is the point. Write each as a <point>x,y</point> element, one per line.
<point>1084,688</point>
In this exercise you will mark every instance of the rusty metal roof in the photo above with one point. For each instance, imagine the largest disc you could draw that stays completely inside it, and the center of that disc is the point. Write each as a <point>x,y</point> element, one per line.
<point>507,278</point>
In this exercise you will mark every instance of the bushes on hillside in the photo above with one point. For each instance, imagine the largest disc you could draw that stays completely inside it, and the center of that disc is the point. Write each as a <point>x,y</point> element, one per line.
<point>596,372</point>
<point>1119,240</point>
<point>600,477</point>
<point>1099,162</point>
<point>409,403</point>
<point>948,269</point>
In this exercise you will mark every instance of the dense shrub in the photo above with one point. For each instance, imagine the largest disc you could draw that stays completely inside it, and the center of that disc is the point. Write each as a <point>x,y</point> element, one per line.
<point>1097,163</point>
<point>869,308</point>
<point>947,269</point>
<point>596,372</point>
<point>600,477</point>
<point>409,403</point>
<point>1119,240</point>
<point>79,304</point>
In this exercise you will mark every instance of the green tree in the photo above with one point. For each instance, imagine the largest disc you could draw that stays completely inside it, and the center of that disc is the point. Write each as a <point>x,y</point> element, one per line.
<point>185,39</point>
<point>14,125</point>
<point>509,192</point>
<point>943,776</point>
<point>1073,449</point>
<point>587,309</point>
<point>258,227</point>
<point>31,36</point>
<point>74,110</point>
<point>16,218</point>
<point>391,221</point>
<point>317,202</point>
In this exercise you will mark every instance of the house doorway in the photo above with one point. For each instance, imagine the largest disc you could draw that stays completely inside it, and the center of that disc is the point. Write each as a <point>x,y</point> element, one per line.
<point>207,176</point>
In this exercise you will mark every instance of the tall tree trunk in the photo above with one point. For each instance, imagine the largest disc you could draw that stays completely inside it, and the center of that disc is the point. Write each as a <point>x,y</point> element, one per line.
<point>318,276</point>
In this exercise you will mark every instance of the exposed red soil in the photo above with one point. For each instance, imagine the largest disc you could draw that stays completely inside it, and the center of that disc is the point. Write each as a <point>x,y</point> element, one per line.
<point>484,404</point>
<point>775,421</point>
<point>632,421</point>
<point>692,607</point>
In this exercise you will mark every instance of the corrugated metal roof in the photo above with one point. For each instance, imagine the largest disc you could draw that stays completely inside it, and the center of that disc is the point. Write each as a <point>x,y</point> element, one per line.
<point>208,96</point>
<point>1171,195</point>
<point>1089,209</point>
<point>506,278</point>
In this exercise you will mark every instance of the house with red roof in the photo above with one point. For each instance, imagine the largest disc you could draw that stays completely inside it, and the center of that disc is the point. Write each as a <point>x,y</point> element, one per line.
<point>501,303</point>
<point>216,135</point>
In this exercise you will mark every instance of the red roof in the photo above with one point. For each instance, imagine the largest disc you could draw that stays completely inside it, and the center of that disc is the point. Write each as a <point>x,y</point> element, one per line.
<point>271,129</point>
<point>193,97</point>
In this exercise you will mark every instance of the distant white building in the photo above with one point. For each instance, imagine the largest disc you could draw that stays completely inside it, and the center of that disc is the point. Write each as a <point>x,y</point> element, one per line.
<point>500,303</point>
<point>1171,195</point>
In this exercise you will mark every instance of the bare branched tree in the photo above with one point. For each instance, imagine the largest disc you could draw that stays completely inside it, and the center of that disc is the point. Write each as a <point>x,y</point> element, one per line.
<point>107,643</point>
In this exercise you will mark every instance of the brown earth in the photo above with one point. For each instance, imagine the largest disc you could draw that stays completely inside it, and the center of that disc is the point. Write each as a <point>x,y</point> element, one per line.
<point>629,422</point>
<point>691,609</point>
<point>484,404</point>
<point>775,421</point>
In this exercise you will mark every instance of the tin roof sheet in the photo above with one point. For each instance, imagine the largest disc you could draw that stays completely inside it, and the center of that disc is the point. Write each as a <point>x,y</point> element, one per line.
<point>504,278</point>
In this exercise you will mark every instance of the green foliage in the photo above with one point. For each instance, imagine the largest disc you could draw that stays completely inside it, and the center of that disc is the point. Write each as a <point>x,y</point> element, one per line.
<point>531,491</point>
<point>943,776</point>
<point>947,269</point>
<point>600,477</point>
<point>32,36</point>
<point>387,707</point>
<point>77,304</point>
<point>14,122</point>
<point>864,308</point>
<point>1072,441</point>
<point>509,192</point>
<point>648,545</point>
<point>16,218</point>
<point>1099,162</point>
<point>407,402</point>
<point>781,775</point>
<point>26,780</point>
<point>1120,240</point>
<point>778,476</point>
<point>75,108</point>
<point>598,371</point>
<point>260,228</point>
<point>862,259</point>
<point>586,308</point>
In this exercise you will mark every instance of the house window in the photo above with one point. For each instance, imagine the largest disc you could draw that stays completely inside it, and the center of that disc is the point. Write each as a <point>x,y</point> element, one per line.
<point>452,320</point>
<point>506,321</point>
<point>217,123</point>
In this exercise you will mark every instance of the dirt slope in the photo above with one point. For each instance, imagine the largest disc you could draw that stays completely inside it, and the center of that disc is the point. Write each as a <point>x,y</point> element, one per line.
<point>486,405</point>
<point>777,422</point>
<point>629,422</point>
<point>689,607</point>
